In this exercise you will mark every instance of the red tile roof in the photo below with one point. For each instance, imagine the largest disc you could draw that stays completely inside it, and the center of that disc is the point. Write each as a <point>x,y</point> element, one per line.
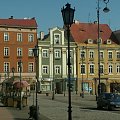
<point>84,31</point>
<point>31,23</point>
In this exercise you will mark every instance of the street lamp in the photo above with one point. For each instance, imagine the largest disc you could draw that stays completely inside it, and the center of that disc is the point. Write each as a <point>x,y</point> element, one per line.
<point>13,70</point>
<point>68,16</point>
<point>20,70</point>
<point>83,57</point>
<point>36,55</point>
<point>106,9</point>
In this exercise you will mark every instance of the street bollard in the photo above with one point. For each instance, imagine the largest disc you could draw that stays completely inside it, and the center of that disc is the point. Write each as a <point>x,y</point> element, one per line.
<point>34,114</point>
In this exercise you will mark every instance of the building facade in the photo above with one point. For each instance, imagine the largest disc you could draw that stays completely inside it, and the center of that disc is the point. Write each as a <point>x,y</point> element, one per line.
<point>86,37</point>
<point>17,39</point>
<point>53,69</point>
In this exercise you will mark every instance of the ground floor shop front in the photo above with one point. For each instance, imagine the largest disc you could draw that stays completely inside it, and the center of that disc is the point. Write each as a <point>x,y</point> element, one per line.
<point>106,84</point>
<point>59,85</point>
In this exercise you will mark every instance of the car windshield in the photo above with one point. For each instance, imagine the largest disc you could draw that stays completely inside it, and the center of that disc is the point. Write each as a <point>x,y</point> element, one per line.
<point>112,96</point>
<point>109,96</point>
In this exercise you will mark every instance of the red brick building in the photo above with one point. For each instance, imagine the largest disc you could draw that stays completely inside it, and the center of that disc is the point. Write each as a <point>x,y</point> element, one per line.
<point>17,39</point>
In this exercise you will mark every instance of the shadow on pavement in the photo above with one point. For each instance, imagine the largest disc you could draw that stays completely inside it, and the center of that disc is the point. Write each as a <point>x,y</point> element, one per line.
<point>20,119</point>
<point>104,109</point>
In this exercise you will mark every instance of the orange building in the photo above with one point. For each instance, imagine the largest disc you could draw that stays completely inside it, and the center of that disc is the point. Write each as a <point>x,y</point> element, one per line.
<point>17,39</point>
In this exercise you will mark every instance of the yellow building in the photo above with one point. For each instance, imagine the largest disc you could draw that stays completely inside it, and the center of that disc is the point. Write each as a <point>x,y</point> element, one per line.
<point>86,37</point>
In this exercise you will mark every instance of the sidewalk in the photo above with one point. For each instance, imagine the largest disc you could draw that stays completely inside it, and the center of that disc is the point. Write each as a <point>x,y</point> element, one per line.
<point>10,113</point>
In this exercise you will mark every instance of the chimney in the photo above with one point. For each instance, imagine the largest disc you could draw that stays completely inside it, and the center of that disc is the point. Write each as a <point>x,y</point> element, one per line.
<point>41,35</point>
<point>11,17</point>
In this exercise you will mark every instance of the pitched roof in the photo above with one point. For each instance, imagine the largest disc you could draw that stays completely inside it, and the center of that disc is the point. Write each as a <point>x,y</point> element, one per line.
<point>31,23</point>
<point>84,31</point>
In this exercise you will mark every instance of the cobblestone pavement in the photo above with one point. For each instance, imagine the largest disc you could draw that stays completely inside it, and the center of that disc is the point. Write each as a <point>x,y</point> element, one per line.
<point>82,109</point>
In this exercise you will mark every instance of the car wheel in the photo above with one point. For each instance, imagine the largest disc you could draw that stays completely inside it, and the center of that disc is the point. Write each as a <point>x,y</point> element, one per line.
<point>99,107</point>
<point>109,107</point>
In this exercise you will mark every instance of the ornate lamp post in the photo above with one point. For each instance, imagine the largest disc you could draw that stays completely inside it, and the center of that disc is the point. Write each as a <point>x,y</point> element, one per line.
<point>68,16</point>
<point>106,9</point>
<point>36,55</point>
<point>20,70</point>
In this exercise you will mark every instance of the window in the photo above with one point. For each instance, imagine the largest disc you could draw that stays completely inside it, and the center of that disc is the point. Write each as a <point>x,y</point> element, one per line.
<point>57,69</point>
<point>118,68</point>
<point>19,37</point>
<point>18,67</point>
<point>82,54</point>
<point>57,53</point>
<point>71,53</point>
<point>110,68</point>
<point>56,38</point>
<point>91,69</point>
<point>30,52</point>
<point>71,69</point>
<point>6,51</point>
<point>19,51</point>
<point>31,67</point>
<point>101,68</point>
<point>82,69</point>
<point>118,54</point>
<point>110,55</point>
<point>30,37</point>
<point>45,69</point>
<point>6,67</point>
<point>108,41</point>
<point>101,55</point>
<point>91,54</point>
<point>90,41</point>
<point>6,36</point>
<point>45,53</point>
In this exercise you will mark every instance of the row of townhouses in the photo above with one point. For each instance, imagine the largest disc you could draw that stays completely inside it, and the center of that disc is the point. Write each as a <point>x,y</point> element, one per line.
<point>19,36</point>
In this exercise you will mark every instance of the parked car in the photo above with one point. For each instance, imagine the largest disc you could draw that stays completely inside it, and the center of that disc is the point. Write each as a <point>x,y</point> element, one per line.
<point>108,100</point>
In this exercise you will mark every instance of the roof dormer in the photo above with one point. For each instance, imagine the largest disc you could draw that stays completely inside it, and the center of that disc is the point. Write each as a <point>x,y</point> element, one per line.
<point>90,41</point>
<point>108,41</point>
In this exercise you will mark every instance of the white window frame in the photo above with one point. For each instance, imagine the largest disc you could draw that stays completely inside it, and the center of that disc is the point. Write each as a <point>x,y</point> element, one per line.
<point>110,68</point>
<point>118,68</point>
<point>18,68</point>
<point>57,53</point>
<point>82,54</point>
<point>117,54</point>
<point>19,37</point>
<point>56,39</point>
<point>57,69</point>
<point>92,68</point>
<point>30,67</point>
<point>30,52</point>
<point>6,51</point>
<point>6,36</point>
<point>6,66</point>
<point>71,69</point>
<point>30,37</point>
<point>84,67</point>
<point>45,53</point>
<point>108,41</point>
<point>90,41</point>
<point>110,54</point>
<point>91,54</point>
<point>19,52</point>
<point>45,69</point>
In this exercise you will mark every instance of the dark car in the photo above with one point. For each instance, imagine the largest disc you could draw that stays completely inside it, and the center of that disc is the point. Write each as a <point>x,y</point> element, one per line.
<point>108,100</point>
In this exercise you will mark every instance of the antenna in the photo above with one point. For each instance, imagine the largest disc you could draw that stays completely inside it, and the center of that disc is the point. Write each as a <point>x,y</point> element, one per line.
<point>89,18</point>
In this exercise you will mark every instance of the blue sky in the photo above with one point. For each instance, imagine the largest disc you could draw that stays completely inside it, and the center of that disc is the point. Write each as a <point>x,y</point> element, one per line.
<point>48,12</point>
